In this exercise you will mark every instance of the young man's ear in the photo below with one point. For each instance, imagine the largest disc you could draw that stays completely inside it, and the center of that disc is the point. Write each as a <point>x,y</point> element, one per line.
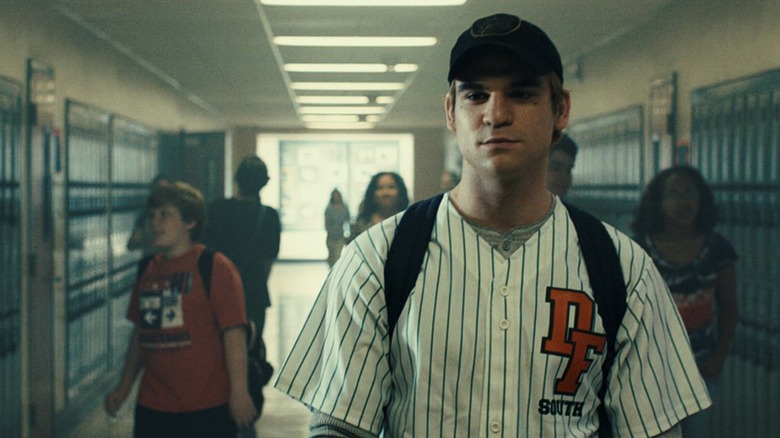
<point>449,109</point>
<point>562,115</point>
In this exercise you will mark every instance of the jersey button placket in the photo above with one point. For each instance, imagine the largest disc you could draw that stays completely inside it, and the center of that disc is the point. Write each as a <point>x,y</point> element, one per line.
<point>500,356</point>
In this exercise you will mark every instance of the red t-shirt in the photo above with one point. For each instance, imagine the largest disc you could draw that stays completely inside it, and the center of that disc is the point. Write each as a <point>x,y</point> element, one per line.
<point>180,331</point>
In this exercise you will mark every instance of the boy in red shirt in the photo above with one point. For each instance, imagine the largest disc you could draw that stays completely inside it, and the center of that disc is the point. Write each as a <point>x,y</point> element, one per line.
<point>190,343</point>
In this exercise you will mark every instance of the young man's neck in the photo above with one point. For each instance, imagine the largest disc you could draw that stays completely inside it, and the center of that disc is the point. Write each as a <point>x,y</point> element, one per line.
<point>178,249</point>
<point>678,233</point>
<point>501,207</point>
<point>245,197</point>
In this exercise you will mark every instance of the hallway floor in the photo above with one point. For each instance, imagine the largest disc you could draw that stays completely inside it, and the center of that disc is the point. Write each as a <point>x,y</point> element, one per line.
<point>293,287</point>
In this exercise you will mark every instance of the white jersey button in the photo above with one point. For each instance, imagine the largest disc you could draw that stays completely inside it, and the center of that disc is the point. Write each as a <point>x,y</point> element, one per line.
<point>504,290</point>
<point>495,427</point>
<point>503,324</point>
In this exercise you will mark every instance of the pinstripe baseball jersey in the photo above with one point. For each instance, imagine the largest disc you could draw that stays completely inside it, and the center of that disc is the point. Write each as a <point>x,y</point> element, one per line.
<point>492,346</point>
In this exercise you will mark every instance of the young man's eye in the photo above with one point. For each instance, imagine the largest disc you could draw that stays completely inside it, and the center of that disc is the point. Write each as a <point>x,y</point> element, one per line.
<point>476,95</point>
<point>523,94</point>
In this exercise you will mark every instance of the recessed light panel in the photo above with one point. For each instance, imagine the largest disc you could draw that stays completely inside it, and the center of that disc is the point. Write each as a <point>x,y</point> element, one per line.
<point>333,100</point>
<point>354,41</point>
<point>330,118</point>
<point>348,86</point>
<point>363,2</point>
<point>342,110</point>
<point>350,68</point>
<point>341,126</point>
<point>384,100</point>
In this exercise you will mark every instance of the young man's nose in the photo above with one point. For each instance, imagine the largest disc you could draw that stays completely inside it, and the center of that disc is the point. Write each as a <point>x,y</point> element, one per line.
<point>154,219</point>
<point>497,111</point>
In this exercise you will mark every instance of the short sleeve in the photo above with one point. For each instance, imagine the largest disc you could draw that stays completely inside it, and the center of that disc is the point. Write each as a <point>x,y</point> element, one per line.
<point>654,382</point>
<point>227,293</point>
<point>723,251</point>
<point>273,233</point>
<point>338,365</point>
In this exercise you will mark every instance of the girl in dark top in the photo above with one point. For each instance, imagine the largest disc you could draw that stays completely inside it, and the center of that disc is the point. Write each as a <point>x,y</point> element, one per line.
<point>674,223</point>
<point>385,196</point>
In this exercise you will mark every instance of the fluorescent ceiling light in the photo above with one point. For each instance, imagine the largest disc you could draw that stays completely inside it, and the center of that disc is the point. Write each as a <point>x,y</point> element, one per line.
<point>341,126</point>
<point>373,119</point>
<point>384,100</point>
<point>348,86</point>
<point>342,110</point>
<point>403,68</point>
<point>330,100</point>
<point>363,2</point>
<point>354,41</point>
<point>350,68</point>
<point>330,118</point>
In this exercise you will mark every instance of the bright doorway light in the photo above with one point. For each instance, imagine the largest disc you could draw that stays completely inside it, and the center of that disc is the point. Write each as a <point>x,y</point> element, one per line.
<point>305,167</point>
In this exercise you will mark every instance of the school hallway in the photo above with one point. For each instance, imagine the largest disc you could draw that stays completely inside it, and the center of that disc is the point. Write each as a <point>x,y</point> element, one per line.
<point>293,287</point>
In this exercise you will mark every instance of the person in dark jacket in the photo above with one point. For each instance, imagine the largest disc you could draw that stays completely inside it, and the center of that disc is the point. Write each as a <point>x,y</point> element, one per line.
<point>248,233</point>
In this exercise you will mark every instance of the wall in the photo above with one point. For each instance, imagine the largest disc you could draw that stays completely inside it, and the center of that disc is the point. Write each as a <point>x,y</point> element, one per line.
<point>704,41</point>
<point>90,70</point>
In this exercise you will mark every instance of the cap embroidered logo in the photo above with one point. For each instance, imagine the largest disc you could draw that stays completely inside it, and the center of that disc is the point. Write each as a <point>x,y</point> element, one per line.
<point>495,25</point>
<point>508,32</point>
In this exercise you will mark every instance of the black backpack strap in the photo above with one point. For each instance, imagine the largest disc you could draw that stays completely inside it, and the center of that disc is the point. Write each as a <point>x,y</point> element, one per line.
<point>609,288</point>
<point>406,253</point>
<point>205,267</point>
<point>259,221</point>
<point>142,264</point>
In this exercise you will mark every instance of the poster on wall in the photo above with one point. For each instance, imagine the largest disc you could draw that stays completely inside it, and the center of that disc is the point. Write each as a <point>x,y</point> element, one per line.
<point>310,170</point>
<point>663,113</point>
<point>41,93</point>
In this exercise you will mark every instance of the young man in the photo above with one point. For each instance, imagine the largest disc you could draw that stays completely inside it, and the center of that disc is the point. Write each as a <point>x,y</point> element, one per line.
<point>189,343</point>
<point>562,156</point>
<point>501,335</point>
<point>248,233</point>
<point>140,238</point>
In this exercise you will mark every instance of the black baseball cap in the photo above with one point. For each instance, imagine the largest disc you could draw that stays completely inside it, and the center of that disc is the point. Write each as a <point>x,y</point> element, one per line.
<point>520,37</point>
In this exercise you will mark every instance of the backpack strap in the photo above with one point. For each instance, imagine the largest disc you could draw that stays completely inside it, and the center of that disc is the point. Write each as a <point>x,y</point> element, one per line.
<point>406,253</point>
<point>142,264</point>
<point>205,267</point>
<point>609,289</point>
<point>259,221</point>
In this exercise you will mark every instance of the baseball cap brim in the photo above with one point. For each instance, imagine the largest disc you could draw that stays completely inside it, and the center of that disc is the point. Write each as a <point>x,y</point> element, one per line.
<point>527,58</point>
